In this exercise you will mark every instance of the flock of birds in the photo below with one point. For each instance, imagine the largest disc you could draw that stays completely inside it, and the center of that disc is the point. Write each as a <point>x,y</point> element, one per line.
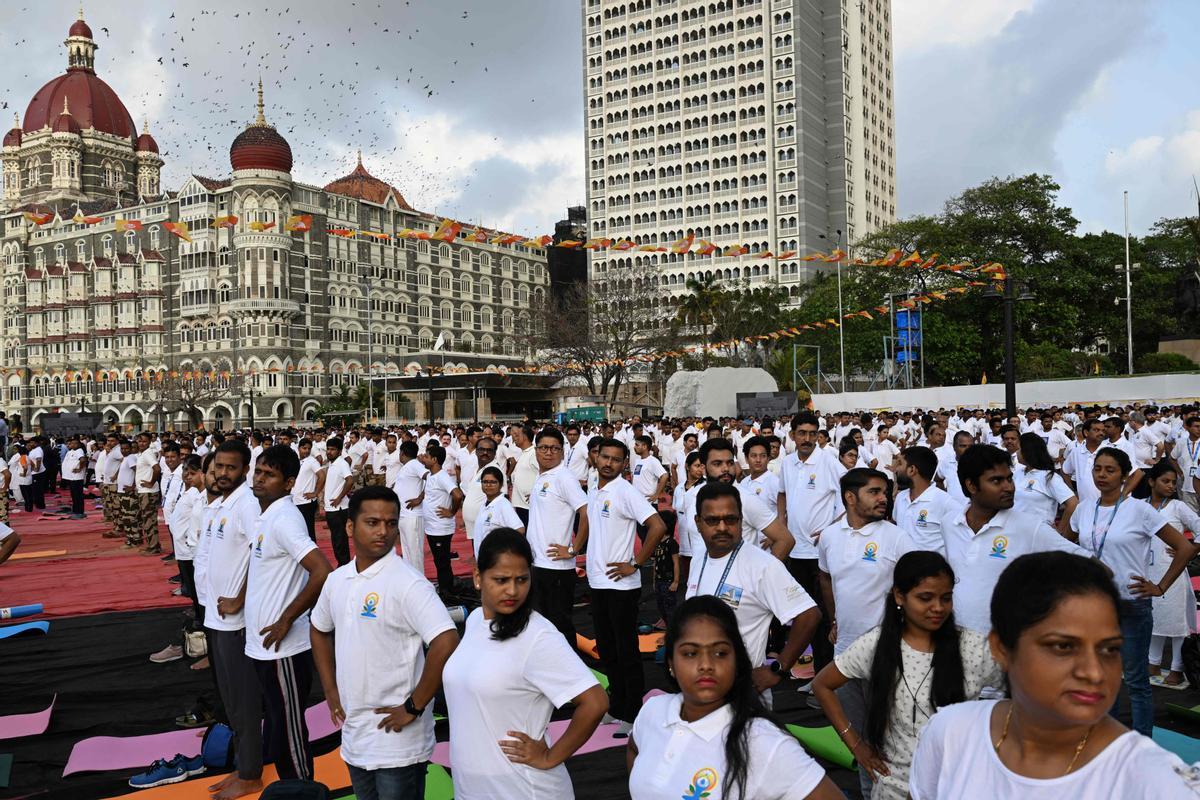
<point>377,86</point>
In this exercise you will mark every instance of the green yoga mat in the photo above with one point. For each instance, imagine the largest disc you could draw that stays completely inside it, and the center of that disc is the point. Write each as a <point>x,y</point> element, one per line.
<point>438,784</point>
<point>600,676</point>
<point>823,743</point>
<point>5,769</point>
<point>1190,712</point>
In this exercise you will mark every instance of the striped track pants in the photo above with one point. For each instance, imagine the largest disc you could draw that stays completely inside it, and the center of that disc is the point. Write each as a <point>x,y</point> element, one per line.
<point>285,686</point>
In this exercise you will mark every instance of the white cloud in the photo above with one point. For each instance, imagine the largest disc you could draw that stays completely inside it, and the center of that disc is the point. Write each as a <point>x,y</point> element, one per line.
<point>921,25</point>
<point>1134,156</point>
<point>1158,171</point>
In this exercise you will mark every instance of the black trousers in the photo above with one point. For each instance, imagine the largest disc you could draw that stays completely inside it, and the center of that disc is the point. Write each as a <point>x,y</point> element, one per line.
<point>39,489</point>
<point>336,520</point>
<point>309,512</point>
<point>439,546</point>
<point>615,615</point>
<point>554,598</point>
<point>241,695</point>
<point>806,572</point>
<point>523,515</point>
<point>285,685</point>
<point>76,496</point>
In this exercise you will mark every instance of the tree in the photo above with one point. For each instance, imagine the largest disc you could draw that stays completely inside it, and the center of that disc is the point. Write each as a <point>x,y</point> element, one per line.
<point>190,392</point>
<point>594,331</point>
<point>698,309</point>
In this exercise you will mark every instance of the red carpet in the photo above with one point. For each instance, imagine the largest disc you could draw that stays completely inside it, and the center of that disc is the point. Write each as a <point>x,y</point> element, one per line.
<point>98,575</point>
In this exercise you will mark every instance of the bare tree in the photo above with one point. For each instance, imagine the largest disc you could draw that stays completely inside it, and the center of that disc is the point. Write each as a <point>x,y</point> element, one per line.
<point>595,331</point>
<point>190,391</point>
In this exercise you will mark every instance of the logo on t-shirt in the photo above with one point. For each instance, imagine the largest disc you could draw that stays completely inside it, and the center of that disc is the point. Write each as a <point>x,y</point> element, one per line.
<point>923,517</point>
<point>604,508</point>
<point>870,551</point>
<point>637,470</point>
<point>221,529</point>
<point>545,487</point>
<point>758,490</point>
<point>370,605</point>
<point>999,547</point>
<point>730,595</point>
<point>258,546</point>
<point>812,480</point>
<point>702,784</point>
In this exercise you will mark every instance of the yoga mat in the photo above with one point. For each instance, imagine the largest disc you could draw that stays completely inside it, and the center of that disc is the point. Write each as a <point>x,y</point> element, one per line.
<point>24,627</point>
<point>17,725</point>
<point>16,612</point>
<point>1187,712</point>
<point>5,769</point>
<point>647,643</point>
<point>37,554</point>
<point>823,743</point>
<point>1181,745</point>
<point>328,769</point>
<point>600,676</point>
<point>101,753</point>
<point>438,784</point>
<point>652,693</point>
<point>603,738</point>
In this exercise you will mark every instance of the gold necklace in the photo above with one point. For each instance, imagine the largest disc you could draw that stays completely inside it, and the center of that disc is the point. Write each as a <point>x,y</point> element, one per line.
<point>1078,748</point>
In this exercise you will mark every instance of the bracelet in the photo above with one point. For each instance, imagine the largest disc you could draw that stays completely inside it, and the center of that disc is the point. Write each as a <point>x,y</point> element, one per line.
<point>848,727</point>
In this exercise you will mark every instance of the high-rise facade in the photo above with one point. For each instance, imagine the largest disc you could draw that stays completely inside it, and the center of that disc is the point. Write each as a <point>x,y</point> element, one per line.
<point>765,123</point>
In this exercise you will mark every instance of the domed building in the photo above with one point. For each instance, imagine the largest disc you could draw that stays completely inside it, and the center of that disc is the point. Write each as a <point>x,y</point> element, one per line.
<point>77,142</point>
<point>274,300</point>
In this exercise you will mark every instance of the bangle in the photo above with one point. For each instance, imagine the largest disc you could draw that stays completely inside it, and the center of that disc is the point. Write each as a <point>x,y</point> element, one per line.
<point>848,727</point>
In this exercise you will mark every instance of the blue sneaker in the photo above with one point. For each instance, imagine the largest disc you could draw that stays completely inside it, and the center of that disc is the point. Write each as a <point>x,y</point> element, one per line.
<point>162,772</point>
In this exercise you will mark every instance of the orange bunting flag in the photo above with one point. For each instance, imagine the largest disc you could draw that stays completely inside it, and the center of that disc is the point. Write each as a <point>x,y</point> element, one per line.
<point>261,226</point>
<point>340,232</point>
<point>122,225</point>
<point>705,248</point>
<point>80,219</point>
<point>911,260</point>
<point>881,309</point>
<point>225,221</point>
<point>569,244</point>
<point>835,256</point>
<point>477,235</point>
<point>929,263</point>
<point>814,257</point>
<point>179,229</point>
<point>987,269</point>
<point>507,239</point>
<point>623,245</point>
<point>683,245</point>
<point>447,232</point>
<point>891,259</point>
<point>786,254</point>
<point>38,219</point>
<point>736,250</point>
<point>299,223</point>
<point>598,244</point>
<point>541,241</point>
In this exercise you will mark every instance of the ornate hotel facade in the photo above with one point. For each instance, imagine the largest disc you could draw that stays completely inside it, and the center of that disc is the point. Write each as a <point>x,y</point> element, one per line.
<point>93,317</point>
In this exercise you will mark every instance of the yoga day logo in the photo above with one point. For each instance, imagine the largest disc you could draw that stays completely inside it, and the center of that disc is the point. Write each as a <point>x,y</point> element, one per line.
<point>999,547</point>
<point>370,605</point>
<point>702,784</point>
<point>870,551</point>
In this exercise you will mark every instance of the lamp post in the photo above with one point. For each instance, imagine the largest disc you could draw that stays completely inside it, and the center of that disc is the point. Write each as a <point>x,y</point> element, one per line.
<point>1009,298</point>
<point>841,319</point>
<point>1128,293</point>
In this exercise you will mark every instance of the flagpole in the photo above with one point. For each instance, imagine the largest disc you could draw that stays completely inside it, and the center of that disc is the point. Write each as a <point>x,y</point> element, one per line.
<point>1128,293</point>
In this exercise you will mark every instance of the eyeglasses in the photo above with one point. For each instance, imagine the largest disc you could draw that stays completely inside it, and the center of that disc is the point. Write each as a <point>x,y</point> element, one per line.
<point>549,448</point>
<point>730,521</point>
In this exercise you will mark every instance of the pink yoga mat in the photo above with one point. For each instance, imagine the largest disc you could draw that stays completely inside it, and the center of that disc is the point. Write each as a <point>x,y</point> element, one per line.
<point>101,753</point>
<point>602,739</point>
<point>17,725</point>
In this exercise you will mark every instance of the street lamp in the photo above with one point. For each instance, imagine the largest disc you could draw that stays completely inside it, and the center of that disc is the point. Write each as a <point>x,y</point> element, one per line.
<point>1128,284</point>
<point>841,318</point>
<point>1009,298</point>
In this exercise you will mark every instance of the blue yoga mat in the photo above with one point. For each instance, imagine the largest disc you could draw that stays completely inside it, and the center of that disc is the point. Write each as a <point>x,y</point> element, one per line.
<point>1181,745</point>
<point>25,627</point>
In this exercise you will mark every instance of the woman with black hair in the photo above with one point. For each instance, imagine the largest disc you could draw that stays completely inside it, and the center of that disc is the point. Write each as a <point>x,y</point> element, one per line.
<point>916,662</point>
<point>1057,636</point>
<point>497,511</point>
<point>1117,530</point>
<point>1041,491</point>
<point>715,739</point>
<point>1175,612</point>
<point>508,674</point>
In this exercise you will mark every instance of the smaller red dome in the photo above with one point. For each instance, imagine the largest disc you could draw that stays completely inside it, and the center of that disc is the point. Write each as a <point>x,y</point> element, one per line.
<point>80,28</point>
<point>146,143</point>
<point>261,147</point>
<point>66,124</point>
<point>13,137</point>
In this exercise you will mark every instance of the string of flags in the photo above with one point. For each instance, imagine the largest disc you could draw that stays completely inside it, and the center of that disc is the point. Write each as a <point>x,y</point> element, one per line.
<point>450,231</point>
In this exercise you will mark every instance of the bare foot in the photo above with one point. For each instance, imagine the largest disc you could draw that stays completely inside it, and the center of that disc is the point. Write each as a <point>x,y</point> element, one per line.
<point>238,787</point>
<point>1173,678</point>
<point>219,785</point>
<point>201,664</point>
<point>1155,669</point>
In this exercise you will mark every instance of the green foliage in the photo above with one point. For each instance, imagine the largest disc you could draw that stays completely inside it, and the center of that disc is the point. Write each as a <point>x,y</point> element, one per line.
<point>1165,362</point>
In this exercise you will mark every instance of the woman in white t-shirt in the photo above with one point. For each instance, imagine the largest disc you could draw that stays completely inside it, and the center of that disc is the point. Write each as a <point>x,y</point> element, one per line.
<point>497,511</point>
<point>1040,490</point>
<point>1118,529</point>
<point>1056,635</point>
<point>917,661</point>
<point>716,732</point>
<point>503,682</point>
<point>1174,612</point>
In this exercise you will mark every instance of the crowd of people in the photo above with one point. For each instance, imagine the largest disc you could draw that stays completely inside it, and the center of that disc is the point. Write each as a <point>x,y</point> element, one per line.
<point>975,592</point>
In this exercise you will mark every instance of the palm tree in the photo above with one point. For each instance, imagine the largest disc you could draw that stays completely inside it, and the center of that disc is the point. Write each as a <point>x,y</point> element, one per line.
<point>698,309</point>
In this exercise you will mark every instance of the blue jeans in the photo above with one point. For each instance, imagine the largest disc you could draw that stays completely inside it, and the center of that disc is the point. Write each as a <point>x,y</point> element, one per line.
<point>393,783</point>
<point>1137,625</point>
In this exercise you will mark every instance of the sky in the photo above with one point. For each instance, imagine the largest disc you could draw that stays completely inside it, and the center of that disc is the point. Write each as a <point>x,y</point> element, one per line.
<point>474,109</point>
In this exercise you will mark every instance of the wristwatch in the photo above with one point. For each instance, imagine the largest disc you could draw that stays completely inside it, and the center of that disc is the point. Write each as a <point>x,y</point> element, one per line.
<point>411,707</point>
<point>777,668</point>
<point>571,550</point>
<point>633,563</point>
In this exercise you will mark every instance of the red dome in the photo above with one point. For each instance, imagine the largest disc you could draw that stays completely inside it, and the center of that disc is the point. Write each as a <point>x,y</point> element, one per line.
<point>146,144</point>
<point>261,147</point>
<point>93,105</point>
<point>13,138</point>
<point>66,124</point>
<point>80,28</point>
<point>362,185</point>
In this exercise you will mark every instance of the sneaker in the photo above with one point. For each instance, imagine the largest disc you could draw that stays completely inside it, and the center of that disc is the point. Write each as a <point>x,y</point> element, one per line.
<point>198,716</point>
<point>609,719</point>
<point>623,730</point>
<point>177,591</point>
<point>150,552</point>
<point>169,557</point>
<point>171,652</point>
<point>162,772</point>
<point>453,555</point>
<point>79,516</point>
<point>175,579</point>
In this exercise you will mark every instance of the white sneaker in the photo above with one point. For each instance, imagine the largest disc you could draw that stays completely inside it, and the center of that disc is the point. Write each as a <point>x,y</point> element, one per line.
<point>171,652</point>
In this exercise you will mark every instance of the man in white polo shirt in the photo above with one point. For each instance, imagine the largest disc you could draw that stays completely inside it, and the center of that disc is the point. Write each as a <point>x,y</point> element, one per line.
<point>227,562</point>
<point>339,480</point>
<point>553,503</point>
<point>1081,457</point>
<point>1148,446</point>
<point>615,509</point>
<point>759,523</point>
<point>309,486</point>
<point>750,581</point>
<point>649,477</point>
<point>410,489</point>
<point>1187,455</point>
<point>285,577</point>
<point>473,496</point>
<point>982,539</point>
<point>378,610</point>
<point>921,508</point>
<point>524,467</point>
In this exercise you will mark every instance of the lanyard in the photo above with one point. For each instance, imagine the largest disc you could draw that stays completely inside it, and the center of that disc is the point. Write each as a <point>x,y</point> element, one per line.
<point>1194,453</point>
<point>1099,551</point>
<point>725,574</point>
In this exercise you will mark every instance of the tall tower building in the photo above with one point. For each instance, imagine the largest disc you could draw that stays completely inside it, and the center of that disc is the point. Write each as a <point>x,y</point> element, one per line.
<point>765,123</point>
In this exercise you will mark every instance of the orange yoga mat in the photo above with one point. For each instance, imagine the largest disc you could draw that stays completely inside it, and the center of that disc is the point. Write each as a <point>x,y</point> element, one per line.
<point>647,643</point>
<point>329,769</point>
<point>37,554</point>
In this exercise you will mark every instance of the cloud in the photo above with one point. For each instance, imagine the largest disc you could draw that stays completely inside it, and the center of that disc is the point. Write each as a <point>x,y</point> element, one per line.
<point>1158,171</point>
<point>995,106</point>
<point>922,25</point>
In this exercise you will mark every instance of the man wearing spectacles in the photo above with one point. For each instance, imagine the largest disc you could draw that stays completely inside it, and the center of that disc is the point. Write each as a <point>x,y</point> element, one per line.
<point>484,455</point>
<point>522,470</point>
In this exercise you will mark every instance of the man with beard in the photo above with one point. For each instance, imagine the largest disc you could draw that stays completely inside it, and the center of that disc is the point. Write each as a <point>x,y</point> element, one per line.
<point>760,524</point>
<point>921,508</point>
<point>947,473</point>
